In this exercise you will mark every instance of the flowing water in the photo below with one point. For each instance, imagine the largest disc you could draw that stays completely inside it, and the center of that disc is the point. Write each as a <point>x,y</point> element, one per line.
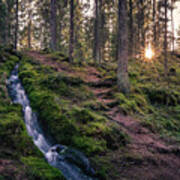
<point>72,163</point>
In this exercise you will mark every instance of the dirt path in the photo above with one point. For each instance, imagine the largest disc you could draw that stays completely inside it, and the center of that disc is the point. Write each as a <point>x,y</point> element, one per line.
<point>147,156</point>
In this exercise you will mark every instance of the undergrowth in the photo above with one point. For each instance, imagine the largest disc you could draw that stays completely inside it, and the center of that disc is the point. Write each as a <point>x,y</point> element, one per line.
<point>16,146</point>
<point>64,110</point>
<point>153,98</point>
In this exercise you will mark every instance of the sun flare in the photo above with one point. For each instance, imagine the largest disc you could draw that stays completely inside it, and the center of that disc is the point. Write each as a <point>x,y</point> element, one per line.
<point>149,53</point>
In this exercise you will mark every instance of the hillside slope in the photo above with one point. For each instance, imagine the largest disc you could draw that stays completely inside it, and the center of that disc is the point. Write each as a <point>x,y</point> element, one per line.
<point>125,137</point>
<point>149,146</point>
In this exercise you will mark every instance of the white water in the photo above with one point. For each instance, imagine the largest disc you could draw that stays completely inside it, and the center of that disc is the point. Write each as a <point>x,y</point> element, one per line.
<point>59,156</point>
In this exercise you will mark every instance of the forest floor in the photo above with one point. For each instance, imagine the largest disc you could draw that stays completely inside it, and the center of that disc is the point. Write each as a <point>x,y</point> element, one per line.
<point>148,156</point>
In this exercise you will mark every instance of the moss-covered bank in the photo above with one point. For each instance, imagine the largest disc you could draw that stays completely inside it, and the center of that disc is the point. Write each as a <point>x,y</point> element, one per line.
<point>61,103</point>
<point>17,148</point>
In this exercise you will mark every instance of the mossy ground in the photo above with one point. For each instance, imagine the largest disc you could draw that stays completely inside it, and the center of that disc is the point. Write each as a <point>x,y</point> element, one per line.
<point>62,102</point>
<point>69,111</point>
<point>153,98</point>
<point>17,147</point>
<point>75,117</point>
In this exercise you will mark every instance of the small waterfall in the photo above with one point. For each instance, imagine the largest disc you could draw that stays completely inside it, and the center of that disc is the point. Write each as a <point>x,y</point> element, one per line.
<point>72,163</point>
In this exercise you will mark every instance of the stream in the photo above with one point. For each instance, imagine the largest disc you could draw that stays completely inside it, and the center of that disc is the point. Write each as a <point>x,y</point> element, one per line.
<point>72,163</point>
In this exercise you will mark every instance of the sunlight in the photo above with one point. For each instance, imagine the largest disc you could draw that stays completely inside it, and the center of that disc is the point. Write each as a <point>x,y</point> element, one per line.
<point>149,53</point>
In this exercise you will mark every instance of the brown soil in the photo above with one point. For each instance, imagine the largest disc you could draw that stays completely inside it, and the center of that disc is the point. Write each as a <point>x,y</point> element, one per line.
<point>147,156</point>
<point>9,170</point>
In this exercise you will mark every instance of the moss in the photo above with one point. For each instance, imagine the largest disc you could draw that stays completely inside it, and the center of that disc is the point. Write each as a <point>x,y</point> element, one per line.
<point>52,96</point>
<point>85,115</point>
<point>58,56</point>
<point>37,168</point>
<point>162,95</point>
<point>13,131</point>
<point>2,177</point>
<point>14,139</point>
<point>89,145</point>
<point>94,105</point>
<point>136,103</point>
<point>115,138</point>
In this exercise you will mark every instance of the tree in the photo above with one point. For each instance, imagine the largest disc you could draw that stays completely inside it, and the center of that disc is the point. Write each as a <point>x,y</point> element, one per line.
<point>154,23</point>
<point>172,24</point>
<point>122,74</point>
<point>165,38</point>
<point>2,22</point>
<point>71,34</point>
<point>53,26</point>
<point>29,24</point>
<point>96,50</point>
<point>16,25</point>
<point>131,33</point>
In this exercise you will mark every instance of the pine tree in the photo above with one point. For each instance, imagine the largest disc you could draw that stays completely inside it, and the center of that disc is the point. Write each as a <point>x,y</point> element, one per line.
<point>16,25</point>
<point>165,37</point>
<point>96,50</point>
<point>71,32</point>
<point>122,74</point>
<point>53,26</point>
<point>131,33</point>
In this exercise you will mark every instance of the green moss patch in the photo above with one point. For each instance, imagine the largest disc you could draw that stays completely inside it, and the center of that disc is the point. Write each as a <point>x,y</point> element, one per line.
<point>14,139</point>
<point>37,168</point>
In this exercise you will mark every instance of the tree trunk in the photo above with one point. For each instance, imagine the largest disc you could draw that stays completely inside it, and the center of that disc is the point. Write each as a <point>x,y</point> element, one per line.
<point>165,39</point>
<point>16,25</point>
<point>53,23</point>
<point>131,37</point>
<point>101,31</point>
<point>29,24</point>
<point>142,14</point>
<point>71,38</point>
<point>29,33</point>
<point>172,24</point>
<point>122,74</point>
<point>96,51</point>
<point>154,23</point>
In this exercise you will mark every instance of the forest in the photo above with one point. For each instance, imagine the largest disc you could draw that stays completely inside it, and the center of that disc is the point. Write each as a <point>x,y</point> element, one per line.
<point>89,89</point>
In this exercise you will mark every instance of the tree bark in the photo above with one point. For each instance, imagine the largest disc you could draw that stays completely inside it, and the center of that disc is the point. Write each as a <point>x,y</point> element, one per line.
<point>122,74</point>
<point>172,25</point>
<point>142,14</point>
<point>131,34</point>
<point>154,23</point>
<point>29,33</point>
<point>96,50</point>
<point>53,23</point>
<point>16,25</point>
<point>101,31</point>
<point>165,39</point>
<point>71,38</point>
<point>29,24</point>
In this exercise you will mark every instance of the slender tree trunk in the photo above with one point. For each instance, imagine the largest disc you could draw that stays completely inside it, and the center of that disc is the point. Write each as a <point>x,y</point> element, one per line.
<point>165,40</point>
<point>71,38</point>
<point>101,31</point>
<point>154,23</point>
<point>122,74</point>
<point>131,33</point>
<point>96,51</point>
<point>172,24</point>
<point>16,25</point>
<point>143,35</point>
<point>8,27</point>
<point>158,27</point>
<point>29,33</point>
<point>53,26</point>
<point>29,24</point>
<point>138,47</point>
